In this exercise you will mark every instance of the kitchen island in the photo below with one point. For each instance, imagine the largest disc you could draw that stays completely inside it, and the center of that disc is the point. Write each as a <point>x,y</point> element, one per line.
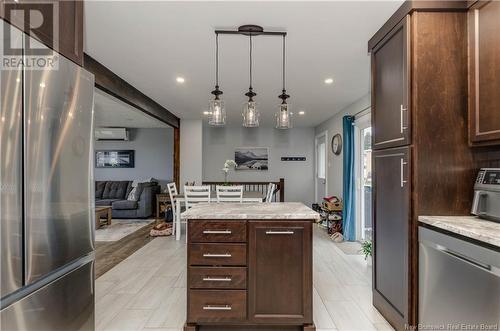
<point>249,267</point>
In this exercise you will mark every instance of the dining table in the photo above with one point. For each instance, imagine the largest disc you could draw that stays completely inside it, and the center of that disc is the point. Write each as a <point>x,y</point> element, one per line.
<point>248,197</point>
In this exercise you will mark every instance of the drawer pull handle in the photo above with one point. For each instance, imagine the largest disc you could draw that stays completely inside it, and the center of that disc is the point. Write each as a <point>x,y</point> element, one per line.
<point>210,307</point>
<point>279,232</point>
<point>217,279</point>
<point>217,231</point>
<point>216,255</point>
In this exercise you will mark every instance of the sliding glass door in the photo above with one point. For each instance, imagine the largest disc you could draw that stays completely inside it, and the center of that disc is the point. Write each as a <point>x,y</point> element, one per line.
<point>364,178</point>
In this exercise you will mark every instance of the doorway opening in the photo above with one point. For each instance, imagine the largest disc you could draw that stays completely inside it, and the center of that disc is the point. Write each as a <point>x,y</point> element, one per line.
<point>321,173</point>
<point>134,152</point>
<point>363,166</point>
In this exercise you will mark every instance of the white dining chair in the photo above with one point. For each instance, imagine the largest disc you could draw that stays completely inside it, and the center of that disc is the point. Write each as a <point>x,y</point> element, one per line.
<point>270,192</point>
<point>172,192</point>
<point>229,193</point>
<point>194,195</point>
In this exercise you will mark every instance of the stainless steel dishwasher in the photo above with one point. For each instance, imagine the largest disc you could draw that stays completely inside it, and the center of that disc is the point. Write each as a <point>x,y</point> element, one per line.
<point>459,284</point>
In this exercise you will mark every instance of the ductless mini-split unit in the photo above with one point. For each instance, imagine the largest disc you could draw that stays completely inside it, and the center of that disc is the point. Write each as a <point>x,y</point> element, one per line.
<point>111,134</point>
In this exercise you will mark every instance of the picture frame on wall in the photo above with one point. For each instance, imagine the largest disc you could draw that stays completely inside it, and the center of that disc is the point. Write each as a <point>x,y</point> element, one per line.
<point>115,159</point>
<point>252,158</point>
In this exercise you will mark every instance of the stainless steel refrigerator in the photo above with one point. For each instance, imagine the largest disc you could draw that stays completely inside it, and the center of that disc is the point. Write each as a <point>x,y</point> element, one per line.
<point>46,203</point>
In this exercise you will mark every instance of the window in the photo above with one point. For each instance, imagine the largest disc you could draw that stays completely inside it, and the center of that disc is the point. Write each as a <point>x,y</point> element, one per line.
<point>321,166</point>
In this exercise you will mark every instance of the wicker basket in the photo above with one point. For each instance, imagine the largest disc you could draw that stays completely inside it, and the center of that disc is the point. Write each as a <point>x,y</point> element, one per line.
<point>333,206</point>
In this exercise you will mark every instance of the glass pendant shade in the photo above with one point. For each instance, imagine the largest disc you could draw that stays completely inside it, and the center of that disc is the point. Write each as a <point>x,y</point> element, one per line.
<point>284,117</point>
<point>217,113</point>
<point>250,115</point>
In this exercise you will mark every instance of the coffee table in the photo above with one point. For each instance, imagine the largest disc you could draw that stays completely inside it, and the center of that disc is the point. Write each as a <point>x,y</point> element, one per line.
<point>102,211</point>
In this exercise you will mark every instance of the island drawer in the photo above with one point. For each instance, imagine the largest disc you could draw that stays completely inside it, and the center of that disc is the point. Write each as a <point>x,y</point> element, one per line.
<point>217,254</point>
<point>217,306</point>
<point>217,231</point>
<point>218,277</point>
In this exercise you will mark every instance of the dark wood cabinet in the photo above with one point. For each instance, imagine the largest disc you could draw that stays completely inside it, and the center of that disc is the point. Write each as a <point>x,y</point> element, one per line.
<point>484,73</point>
<point>62,29</point>
<point>249,275</point>
<point>391,219</point>
<point>390,93</point>
<point>419,59</point>
<point>280,279</point>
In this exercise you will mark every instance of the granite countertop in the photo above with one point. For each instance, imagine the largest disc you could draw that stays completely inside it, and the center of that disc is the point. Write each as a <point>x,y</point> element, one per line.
<point>468,226</point>
<point>275,210</point>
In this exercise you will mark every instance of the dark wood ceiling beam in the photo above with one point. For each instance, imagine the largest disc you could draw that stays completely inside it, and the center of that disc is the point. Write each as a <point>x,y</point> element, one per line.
<point>113,84</point>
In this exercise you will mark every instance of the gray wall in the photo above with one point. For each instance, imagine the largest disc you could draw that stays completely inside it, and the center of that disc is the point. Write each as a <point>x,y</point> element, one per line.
<point>154,156</point>
<point>334,126</point>
<point>190,152</point>
<point>219,145</point>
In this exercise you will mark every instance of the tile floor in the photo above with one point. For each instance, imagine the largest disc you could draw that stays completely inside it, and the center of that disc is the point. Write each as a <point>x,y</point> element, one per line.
<point>147,291</point>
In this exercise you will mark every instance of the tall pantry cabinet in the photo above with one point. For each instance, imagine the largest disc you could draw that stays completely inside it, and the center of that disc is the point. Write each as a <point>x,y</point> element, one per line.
<point>421,161</point>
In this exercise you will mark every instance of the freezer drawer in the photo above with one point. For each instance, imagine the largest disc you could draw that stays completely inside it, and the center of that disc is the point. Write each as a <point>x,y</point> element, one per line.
<point>11,236</point>
<point>459,282</point>
<point>58,166</point>
<point>67,304</point>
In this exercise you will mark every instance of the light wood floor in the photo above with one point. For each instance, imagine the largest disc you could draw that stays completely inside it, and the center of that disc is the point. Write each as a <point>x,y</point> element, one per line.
<point>147,290</point>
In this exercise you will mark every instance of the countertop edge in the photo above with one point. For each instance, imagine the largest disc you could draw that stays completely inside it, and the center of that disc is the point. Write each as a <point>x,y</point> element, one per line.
<point>253,218</point>
<point>251,211</point>
<point>439,222</point>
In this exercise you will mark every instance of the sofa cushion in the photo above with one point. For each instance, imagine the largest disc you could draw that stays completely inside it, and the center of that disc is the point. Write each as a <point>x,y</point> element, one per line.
<point>124,204</point>
<point>105,202</point>
<point>99,189</point>
<point>115,190</point>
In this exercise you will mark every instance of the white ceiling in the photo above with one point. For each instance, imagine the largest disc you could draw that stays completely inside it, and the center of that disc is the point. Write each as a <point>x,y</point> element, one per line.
<point>112,112</point>
<point>149,44</point>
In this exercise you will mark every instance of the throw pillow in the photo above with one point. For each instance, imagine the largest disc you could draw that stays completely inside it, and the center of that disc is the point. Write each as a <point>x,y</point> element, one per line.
<point>131,195</point>
<point>136,192</point>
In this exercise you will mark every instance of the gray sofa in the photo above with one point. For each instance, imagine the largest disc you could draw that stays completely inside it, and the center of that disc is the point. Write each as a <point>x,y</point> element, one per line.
<point>115,193</point>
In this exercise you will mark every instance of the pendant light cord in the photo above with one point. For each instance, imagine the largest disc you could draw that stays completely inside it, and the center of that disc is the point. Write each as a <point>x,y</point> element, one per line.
<point>284,59</point>
<point>250,60</point>
<point>217,59</point>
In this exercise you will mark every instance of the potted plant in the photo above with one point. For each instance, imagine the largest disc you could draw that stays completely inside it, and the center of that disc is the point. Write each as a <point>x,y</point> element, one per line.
<point>228,165</point>
<point>366,249</point>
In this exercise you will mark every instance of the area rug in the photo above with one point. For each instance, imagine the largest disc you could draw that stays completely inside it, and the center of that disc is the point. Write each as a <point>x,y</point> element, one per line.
<point>120,228</point>
<point>349,247</point>
<point>110,253</point>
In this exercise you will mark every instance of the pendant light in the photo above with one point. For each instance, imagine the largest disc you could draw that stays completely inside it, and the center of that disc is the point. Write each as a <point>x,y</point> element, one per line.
<point>283,115</point>
<point>216,109</point>
<point>250,112</point>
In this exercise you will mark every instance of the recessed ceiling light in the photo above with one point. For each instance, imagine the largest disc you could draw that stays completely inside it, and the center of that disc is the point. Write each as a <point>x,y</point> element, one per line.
<point>302,112</point>
<point>180,80</point>
<point>328,80</point>
<point>206,113</point>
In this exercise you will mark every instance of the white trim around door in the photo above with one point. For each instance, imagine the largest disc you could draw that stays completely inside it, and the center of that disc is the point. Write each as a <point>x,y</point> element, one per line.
<point>316,139</point>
